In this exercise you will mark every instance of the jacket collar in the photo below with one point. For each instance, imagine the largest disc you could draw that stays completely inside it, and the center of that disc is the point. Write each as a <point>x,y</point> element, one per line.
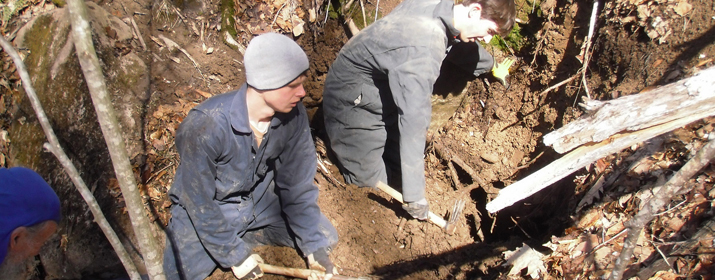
<point>239,112</point>
<point>444,11</point>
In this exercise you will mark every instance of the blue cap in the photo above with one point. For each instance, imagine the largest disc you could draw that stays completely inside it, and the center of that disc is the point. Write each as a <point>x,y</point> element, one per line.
<point>25,200</point>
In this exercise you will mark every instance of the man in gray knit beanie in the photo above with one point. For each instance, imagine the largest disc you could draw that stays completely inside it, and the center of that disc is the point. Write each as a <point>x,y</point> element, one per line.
<point>246,173</point>
<point>272,61</point>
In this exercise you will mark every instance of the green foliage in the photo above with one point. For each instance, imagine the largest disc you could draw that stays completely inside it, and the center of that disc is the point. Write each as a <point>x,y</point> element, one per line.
<point>228,22</point>
<point>11,8</point>
<point>355,13</point>
<point>59,3</point>
<point>518,38</point>
<point>514,40</point>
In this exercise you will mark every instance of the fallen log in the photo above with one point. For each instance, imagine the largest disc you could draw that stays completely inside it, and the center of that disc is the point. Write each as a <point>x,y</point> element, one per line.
<point>703,84</point>
<point>685,98</point>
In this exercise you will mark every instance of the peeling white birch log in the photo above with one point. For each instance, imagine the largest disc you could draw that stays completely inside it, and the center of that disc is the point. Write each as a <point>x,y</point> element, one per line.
<point>697,92</point>
<point>685,98</point>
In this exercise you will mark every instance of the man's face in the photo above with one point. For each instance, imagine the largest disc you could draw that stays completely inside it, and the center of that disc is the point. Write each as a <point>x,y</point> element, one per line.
<point>34,241</point>
<point>24,245</point>
<point>477,28</point>
<point>286,98</point>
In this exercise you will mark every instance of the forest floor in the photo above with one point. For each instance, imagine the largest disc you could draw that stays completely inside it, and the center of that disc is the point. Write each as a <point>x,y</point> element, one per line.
<point>496,132</point>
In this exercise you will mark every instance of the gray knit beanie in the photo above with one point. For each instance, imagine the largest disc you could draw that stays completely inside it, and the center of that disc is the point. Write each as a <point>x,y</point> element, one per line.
<point>272,61</point>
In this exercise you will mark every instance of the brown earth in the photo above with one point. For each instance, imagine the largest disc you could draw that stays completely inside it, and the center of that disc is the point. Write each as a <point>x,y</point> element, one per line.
<point>497,132</point>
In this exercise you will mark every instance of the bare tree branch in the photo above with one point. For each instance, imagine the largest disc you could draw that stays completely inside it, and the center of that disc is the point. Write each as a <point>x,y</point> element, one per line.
<point>112,135</point>
<point>54,147</point>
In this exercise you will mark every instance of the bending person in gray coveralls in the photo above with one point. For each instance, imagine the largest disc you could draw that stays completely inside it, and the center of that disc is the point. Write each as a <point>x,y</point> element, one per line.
<point>246,173</point>
<point>377,93</point>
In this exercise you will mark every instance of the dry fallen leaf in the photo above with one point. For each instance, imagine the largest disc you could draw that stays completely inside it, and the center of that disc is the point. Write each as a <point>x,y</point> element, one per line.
<point>683,8</point>
<point>525,257</point>
<point>203,93</point>
<point>664,275</point>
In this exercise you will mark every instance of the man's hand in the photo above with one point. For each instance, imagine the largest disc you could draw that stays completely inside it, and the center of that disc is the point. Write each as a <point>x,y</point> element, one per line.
<point>418,209</point>
<point>319,260</point>
<point>501,71</point>
<point>249,269</point>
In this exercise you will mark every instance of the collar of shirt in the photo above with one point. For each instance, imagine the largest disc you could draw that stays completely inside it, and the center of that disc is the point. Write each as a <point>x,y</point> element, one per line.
<point>444,11</point>
<point>239,112</point>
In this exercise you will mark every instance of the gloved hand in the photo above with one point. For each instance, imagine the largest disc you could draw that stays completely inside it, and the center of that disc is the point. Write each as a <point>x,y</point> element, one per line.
<point>249,269</point>
<point>418,209</point>
<point>501,71</point>
<point>319,260</point>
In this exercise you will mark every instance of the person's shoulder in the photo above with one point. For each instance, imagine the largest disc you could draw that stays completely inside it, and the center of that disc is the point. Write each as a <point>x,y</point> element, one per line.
<point>217,101</point>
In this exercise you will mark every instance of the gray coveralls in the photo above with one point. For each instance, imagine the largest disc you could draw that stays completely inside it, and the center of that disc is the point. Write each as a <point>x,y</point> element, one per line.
<point>377,94</point>
<point>229,195</point>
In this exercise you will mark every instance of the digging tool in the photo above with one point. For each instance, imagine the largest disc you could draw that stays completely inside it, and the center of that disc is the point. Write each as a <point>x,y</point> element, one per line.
<point>301,273</point>
<point>448,226</point>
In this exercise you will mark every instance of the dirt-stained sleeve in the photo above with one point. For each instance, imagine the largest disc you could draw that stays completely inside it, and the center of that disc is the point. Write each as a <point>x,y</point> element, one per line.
<point>471,57</point>
<point>411,80</point>
<point>295,173</point>
<point>200,142</point>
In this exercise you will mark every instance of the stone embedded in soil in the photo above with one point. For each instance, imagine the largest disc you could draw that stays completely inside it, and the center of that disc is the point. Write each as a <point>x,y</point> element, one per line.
<point>516,158</point>
<point>490,157</point>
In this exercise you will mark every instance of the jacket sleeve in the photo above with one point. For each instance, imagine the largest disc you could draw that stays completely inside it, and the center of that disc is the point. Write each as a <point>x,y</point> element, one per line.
<point>295,173</point>
<point>199,143</point>
<point>470,57</point>
<point>411,81</point>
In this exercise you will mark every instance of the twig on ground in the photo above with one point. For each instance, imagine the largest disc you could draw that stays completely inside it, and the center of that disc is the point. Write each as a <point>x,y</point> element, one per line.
<point>326,173</point>
<point>278,13</point>
<point>558,85</point>
<point>494,222</point>
<point>54,147</point>
<point>530,162</point>
<point>171,45</point>
<point>348,5</point>
<point>327,12</point>
<point>446,154</point>
<point>672,208</point>
<point>589,39</point>
<point>665,195</point>
<point>608,241</point>
<point>158,172</point>
<point>455,177</point>
<point>377,8</point>
<point>139,34</point>
<point>661,253</point>
<point>364,19</point>
<point>519,226</point>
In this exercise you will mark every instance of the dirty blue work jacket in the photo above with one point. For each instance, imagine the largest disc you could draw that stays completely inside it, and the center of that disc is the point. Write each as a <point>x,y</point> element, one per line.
<point>224,179</point>
<point>387,69</point>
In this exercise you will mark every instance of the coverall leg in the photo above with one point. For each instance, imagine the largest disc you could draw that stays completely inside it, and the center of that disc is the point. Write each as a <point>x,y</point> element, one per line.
<point>356,120</point>
<point>193,262</point>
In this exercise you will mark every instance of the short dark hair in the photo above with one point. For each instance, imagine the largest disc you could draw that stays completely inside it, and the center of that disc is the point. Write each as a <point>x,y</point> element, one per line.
<point>501,12</point>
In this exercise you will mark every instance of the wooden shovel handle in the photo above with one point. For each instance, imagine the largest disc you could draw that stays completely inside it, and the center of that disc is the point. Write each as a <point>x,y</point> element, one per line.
<point>437,220</point>
<point>298,272</point>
